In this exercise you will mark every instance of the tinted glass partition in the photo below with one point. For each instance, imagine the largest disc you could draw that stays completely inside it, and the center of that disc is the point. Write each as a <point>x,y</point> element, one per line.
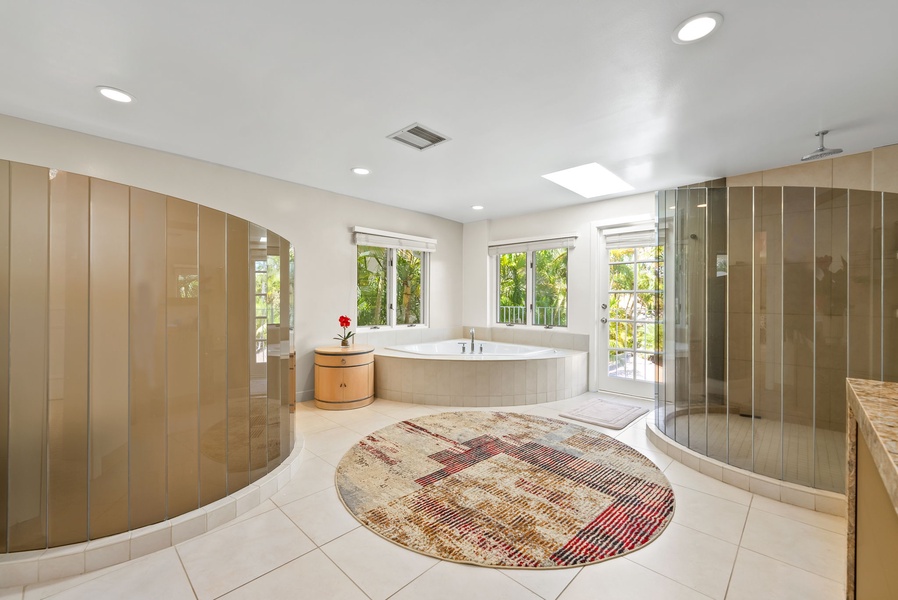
<point>137,379</point>
<point>774,296</point>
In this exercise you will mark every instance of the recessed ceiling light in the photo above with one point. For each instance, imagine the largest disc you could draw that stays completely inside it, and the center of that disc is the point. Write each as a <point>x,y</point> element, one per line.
<point>590,180</point>
<point>695,28</point>
<point>361,170</point>
<point>114,94</point>
<point>476,207</point>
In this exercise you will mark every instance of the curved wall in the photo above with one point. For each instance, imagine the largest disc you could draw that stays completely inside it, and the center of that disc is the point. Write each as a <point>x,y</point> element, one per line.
<point>144,345</point>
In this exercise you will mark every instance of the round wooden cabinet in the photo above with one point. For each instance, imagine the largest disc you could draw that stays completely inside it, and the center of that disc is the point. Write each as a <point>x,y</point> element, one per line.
<point>344,377</point>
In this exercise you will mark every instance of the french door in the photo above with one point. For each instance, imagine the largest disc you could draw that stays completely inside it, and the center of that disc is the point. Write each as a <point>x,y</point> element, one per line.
<point>630,329</point>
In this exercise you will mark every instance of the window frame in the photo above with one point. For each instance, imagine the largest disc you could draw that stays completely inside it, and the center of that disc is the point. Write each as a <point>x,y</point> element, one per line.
<point>391,291</point>
<point>530,293</point>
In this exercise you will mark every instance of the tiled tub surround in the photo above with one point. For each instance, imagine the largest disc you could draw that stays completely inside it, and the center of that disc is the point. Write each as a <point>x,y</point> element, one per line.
<point>782,491</point>
<point>24,568</point>
<point>518,334</point>
<point>479,380</point>
<point>873,422</point>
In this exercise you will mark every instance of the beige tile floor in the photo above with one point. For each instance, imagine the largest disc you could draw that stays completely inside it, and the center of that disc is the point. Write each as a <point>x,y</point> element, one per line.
<point>723,542</point>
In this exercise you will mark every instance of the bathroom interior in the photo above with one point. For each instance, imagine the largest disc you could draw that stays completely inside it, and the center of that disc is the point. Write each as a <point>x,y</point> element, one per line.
<point>779,281</point>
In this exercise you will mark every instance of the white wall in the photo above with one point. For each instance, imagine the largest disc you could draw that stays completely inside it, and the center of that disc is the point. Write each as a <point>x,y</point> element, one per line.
<point>479,273</point>
<point>317,222</point>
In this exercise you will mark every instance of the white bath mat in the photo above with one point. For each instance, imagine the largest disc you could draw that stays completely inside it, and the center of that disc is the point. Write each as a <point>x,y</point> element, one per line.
<point>606,413</point>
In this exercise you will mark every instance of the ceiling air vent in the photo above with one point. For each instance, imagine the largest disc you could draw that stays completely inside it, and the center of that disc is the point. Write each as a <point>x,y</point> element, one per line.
<point>418,137</point>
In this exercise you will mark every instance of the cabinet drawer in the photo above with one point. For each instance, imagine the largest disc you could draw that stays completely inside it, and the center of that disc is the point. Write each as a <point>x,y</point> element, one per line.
<point>343,360</point>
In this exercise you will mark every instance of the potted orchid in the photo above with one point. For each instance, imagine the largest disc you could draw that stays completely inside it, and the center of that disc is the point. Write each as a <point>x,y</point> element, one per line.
<point>345,323</point>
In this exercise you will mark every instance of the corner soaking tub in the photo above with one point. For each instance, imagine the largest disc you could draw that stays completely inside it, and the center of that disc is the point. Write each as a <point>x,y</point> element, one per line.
<point>438,373</point>
<point>461,349</point>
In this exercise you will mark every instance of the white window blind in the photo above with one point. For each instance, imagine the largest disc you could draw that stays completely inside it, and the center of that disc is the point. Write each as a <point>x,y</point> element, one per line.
<point>567,240</point>
<point>632,236</point>
<point>389,239</point>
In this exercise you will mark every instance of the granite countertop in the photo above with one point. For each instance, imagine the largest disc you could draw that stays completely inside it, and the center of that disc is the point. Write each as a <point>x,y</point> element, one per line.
<point>875,407</point>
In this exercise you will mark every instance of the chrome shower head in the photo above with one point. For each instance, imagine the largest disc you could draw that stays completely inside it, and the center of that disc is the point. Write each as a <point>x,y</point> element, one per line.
<point>822,151</point>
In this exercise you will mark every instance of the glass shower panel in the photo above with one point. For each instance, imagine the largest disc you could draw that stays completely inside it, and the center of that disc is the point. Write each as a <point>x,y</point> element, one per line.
<point>890,286</point>
<point>182,355</point>
<point>863,297</point>
<point>147,415</point>
<point>273,336</point>
<point>681,335</point>
<point>258,371</point>
<point>697,314</point>
<point>716,270</point>
<point>666,208</point>
<point>830,336</point>
<point>213,347</point>
<point>108,358</point>
<point>4,351</point>
<point>798,335</point>
<point>767,418</point>
<point>68,367</point>
<point>241,346</point>
<point>740,257</point>
<point>28,327</point>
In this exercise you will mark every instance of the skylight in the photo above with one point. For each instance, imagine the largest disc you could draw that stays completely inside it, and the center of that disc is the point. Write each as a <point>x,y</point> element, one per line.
<point>590,180</point>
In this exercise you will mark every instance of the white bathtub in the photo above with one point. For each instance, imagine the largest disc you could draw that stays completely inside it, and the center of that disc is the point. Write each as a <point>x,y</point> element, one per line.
<point>437,373</point>
<point>461,349</point>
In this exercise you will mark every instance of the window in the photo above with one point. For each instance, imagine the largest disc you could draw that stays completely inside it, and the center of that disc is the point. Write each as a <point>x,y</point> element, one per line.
<point>532,281</point>
<point>391,272</point>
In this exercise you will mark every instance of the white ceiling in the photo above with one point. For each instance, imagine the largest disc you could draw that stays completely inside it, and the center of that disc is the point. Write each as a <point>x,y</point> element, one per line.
<point>303,91</point>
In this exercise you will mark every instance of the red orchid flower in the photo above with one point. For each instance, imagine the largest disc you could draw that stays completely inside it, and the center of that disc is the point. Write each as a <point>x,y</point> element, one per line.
<point>345,321</point>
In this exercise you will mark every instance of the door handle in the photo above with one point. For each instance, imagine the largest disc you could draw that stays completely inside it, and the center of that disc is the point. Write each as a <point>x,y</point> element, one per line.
<point>604,306</point>
<point>603,320</point>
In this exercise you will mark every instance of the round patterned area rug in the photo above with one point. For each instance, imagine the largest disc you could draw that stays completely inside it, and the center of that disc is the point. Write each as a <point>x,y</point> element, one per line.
<point>504,490</point>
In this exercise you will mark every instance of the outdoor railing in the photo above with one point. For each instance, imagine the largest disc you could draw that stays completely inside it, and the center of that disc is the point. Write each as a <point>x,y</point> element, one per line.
<point>543,315</point>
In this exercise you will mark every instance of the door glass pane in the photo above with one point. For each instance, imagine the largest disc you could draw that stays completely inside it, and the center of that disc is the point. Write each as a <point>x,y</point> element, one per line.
<point>512,287</point>
<point>621,306</point>
<point>635,312</point>
<point>649,307</point>
<point>550,279</point>
<point>620,364</point>
<point>647,276</point>
<point>371,269</point>
<point>617,255</point>
<point>621,277</point>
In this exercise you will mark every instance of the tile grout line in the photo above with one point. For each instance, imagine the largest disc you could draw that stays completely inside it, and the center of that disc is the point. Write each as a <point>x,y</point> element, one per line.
<point>798,521</point>
<point>760,553</point>
<point>680,583</point>
<point>421,574</point>
<point>739,546</point>
<point>186,574</point>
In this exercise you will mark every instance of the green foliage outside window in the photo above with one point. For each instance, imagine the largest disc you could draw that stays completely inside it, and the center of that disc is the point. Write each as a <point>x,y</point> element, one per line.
<point>408,286</point>
<point>549,296</point>
<point>371,270</point>
<point>550,307</point>
<point>512,287</point>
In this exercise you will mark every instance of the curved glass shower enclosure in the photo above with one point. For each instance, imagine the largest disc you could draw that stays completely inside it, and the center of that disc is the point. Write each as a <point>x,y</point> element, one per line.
<point>774,296</point>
